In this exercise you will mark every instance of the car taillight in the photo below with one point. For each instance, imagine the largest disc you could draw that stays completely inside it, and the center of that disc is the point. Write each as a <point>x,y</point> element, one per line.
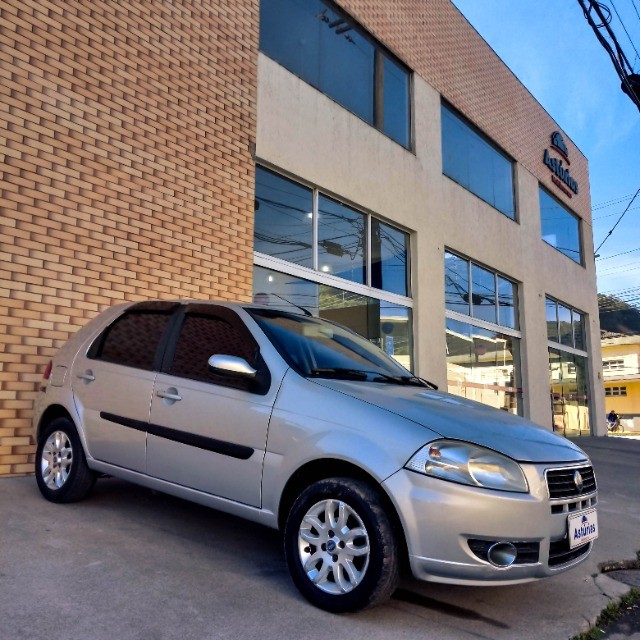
<point>47,371</point>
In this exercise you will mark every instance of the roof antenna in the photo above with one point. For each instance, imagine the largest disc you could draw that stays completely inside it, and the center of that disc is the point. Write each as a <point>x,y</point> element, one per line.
<point>297,306</point>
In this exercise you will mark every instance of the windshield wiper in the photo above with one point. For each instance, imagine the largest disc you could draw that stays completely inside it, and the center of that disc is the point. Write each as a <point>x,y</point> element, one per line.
<point>414,380</point>
<point>361,374</point>
<point>337,372</point>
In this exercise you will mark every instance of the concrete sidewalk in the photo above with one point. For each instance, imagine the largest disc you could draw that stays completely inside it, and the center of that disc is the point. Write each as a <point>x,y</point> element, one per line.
<point>131,564</point>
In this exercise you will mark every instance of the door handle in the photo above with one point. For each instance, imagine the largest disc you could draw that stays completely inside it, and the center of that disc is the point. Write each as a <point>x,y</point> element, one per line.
<point>171,395</point>
<point>87,376</point>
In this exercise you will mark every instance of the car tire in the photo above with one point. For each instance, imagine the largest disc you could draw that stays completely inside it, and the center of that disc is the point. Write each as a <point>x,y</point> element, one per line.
<point>61,467</point>
<point>341,547</point>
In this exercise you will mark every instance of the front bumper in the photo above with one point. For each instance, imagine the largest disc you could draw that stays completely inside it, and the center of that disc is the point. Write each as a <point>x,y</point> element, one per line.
<point>440,518</point>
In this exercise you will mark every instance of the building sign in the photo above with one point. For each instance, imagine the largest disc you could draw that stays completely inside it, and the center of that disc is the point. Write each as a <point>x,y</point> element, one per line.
<point>561,176</point>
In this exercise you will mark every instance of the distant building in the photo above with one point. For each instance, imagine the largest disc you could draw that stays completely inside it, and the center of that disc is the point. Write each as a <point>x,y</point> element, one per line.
<point>621,374</point>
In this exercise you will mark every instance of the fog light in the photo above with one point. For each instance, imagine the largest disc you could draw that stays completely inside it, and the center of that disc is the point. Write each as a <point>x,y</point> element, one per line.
<point>502,554</point>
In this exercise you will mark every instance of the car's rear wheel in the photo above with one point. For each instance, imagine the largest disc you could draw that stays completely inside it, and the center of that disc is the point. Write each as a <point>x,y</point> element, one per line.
<point>61,466</point>
<point>340,546</point>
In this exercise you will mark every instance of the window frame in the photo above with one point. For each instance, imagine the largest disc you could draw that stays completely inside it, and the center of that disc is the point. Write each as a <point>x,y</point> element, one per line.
<point>314,273</point>
<point>445,104</point>
<point>562,205</point>
<point>559,345</point>
<point>380,53</point>
<point>494,326</point>
<point>613,364</point>
<point>259,385</point>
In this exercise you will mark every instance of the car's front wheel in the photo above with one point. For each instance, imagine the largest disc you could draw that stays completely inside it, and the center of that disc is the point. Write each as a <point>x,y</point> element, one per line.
<point>61,469</point>
<point>341,547</point>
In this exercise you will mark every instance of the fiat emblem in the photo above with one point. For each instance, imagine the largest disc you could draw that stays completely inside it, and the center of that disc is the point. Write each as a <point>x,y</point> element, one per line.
<point>578,481</point>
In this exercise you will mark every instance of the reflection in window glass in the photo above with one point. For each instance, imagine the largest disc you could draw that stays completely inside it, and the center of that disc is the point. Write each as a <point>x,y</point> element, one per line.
<point>330,52</point>
<point>475,164</point>
<point>507,303</point>
<point>389,258</point>
<point>456,283</point>
<point>488,303</point>
<point>569,393</point>
<point>483,294</point>
<point>341,240</point>
<point>396,102</point>
<point>552,320</point>
<point>578,331</point>
<point>133,340</point>
<point>560,228</point>
<point>385,324</point>
<point>283,218</point>
<point>346,64</point>
<point>203,335</point>
<point>565,326</point>
<point>484,365</point>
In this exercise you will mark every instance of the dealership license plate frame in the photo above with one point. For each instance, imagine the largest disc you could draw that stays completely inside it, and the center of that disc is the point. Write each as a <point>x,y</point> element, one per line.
<point>574,521</point>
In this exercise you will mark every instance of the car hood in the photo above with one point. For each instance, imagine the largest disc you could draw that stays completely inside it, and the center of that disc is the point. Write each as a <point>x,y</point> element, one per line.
<point>461,419</point>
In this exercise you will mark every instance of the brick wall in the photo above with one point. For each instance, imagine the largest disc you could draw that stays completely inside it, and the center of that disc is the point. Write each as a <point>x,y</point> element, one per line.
<point>439,44</point>
<point>126,130</point>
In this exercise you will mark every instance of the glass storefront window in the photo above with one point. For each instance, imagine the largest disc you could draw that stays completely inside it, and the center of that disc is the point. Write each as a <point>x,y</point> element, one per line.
<point>327,49</point>
<point>476,164</point>
<point>552,320</point>
<point>489,296</point>
<point>560,227</point>
<point>483,294</point>
<point>568,372</point>
<point>283,218</point>
<point>507,303</point>
<point>569,393</point>
<point>456,283</point>
<point>396,107</point>
<point>284,229</point>
<point>387,325</point>
<point>484,365</point>
<point>389,258</point>
<point>578,331</point>
<point>565,326</point>
<point>341,241</point>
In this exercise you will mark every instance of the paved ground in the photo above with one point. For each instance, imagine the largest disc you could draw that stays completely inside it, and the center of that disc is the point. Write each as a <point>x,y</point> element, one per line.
<point>132,564</point>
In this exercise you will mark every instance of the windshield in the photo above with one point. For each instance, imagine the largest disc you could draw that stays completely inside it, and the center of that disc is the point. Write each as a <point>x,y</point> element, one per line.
<point>318,348</point>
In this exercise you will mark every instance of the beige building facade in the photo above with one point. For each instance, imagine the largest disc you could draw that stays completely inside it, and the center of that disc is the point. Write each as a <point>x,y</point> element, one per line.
<point>180,151</point>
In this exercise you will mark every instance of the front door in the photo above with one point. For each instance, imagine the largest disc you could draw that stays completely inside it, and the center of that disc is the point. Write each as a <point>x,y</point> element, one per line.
<point>207,431</point>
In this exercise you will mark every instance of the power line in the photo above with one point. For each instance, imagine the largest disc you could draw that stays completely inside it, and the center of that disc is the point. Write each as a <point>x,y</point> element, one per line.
<point>609,203</point>
<point>633,2</point>
<point>625,29</point>
<point>606,37</point>
<point>615,255</point>
<point>618,222</point>
<point>610,215</point>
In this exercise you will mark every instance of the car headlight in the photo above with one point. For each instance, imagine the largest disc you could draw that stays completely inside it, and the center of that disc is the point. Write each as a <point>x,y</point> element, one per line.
<point>470,464</point>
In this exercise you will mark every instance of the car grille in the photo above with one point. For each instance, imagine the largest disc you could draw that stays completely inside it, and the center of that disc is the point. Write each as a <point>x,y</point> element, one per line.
<point>560,553</point>
<point>561,484</point>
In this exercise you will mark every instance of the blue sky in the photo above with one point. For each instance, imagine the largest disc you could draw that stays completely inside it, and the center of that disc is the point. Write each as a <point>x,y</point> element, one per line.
<point>552,49</point>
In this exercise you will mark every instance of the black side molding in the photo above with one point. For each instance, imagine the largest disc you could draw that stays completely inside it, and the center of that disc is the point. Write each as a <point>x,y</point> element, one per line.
<point>191,439</point>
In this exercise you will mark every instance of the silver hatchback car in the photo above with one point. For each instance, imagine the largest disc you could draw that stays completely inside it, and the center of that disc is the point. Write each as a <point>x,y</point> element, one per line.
<point>302,425</point>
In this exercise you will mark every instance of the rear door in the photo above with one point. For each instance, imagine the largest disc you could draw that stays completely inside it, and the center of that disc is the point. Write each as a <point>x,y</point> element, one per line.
<point>113,383</point>
<point>207,431</point>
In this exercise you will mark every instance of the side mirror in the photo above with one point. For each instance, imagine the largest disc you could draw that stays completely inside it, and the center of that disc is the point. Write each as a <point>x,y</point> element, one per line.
<point>231,366</point>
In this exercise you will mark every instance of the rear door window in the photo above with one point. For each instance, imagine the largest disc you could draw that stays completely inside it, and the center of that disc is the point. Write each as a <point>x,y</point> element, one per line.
<point>133,340</point>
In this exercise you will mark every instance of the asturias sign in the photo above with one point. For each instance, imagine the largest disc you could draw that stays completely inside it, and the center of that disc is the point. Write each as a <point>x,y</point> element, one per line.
<point>561,177</point>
